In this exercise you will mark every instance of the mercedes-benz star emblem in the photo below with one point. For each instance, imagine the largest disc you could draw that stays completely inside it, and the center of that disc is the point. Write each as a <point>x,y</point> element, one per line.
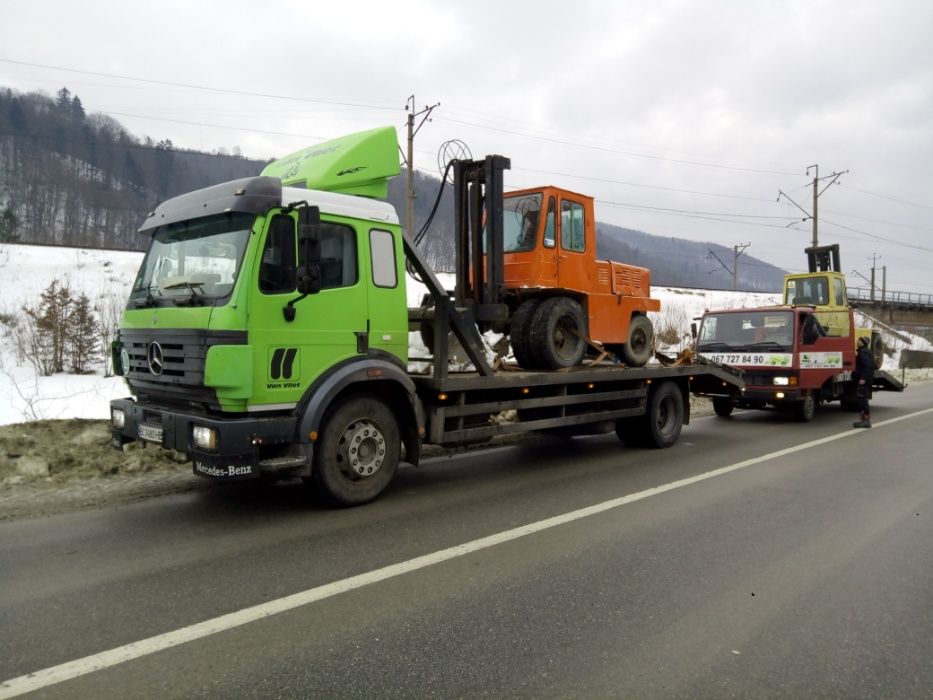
<point>154,356</point>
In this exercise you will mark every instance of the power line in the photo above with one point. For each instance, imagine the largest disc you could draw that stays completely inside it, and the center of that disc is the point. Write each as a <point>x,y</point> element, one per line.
<point>206,88</point>
<point>636,184</point>
<point>889,198</point>
<point>605,149</point>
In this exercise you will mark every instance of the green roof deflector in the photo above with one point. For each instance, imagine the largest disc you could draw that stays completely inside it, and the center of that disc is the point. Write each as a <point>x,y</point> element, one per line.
<point>360,163</point>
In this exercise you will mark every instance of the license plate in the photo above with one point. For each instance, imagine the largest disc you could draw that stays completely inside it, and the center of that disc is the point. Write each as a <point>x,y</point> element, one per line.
<point>152,433</point>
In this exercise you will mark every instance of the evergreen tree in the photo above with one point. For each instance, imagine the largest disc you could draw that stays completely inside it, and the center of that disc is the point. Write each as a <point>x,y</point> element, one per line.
<point>81,336</point>
<point>8,225</point>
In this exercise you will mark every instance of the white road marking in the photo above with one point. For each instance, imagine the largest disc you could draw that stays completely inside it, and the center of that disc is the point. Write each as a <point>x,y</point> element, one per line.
<point>105,659</point>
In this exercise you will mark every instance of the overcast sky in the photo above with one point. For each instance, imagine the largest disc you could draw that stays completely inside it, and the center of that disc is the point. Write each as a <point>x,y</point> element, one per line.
<point>682,118</point>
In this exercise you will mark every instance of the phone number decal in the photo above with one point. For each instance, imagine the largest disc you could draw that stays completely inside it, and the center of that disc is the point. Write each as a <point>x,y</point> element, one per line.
<point>751,359</point>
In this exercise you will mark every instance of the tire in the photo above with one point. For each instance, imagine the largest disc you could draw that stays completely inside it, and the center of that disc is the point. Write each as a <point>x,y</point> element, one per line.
<point>637,351</point>
<point>557,334</point>
<point>723,407</point>
<point>805,409</point>
<point>519,332</point>
<point>631,431</point>
<point>877,349</point>
<point>358,453</point>
<point>663,420</point>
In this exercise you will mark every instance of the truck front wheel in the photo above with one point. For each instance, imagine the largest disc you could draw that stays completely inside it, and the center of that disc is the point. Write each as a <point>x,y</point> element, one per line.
<point>558,333</point>
<point>358,452</point>
<point>519,332</point>
<point>805,409</point>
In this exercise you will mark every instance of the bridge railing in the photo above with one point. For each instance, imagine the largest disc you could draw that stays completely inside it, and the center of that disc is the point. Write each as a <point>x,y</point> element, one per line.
<point>910,300</point>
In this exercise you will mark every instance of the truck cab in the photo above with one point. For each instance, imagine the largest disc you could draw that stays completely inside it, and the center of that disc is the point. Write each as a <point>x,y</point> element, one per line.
<point>256,290</point>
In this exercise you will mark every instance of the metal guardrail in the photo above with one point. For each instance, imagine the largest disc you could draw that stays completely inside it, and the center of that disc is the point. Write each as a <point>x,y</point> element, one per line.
<point>900,300</point>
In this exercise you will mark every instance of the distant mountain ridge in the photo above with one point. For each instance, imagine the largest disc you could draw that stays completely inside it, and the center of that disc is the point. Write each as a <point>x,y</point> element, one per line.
<point>69,178</point>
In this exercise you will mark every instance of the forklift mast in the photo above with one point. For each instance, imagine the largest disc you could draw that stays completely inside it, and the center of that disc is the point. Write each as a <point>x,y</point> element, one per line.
<point>824,258</point>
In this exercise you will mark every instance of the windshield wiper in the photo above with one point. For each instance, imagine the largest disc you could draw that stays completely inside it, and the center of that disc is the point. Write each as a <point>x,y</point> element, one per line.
<point>149,299</point>
<point>765,344</point>
<point>714,347</point>
<point>190,286</point>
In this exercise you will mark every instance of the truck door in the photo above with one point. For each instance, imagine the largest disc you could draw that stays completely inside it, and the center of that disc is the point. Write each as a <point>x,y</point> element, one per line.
<point>575,267</point>
<point>290,355</point>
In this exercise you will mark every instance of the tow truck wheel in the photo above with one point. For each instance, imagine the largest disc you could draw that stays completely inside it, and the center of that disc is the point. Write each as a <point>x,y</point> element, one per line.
<point>637,351</point>
<point>722,407</point>
<point>557,334</point>
<point>877,350</point>
<point>805,409</point>
<point>358,452</point>
<point>519,332</point>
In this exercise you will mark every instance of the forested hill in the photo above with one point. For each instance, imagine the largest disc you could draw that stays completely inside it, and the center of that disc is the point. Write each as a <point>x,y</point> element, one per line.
<point>72,178</point>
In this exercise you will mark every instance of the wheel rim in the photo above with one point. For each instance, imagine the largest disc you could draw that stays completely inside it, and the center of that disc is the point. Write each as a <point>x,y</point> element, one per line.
<point>665,417</point>
<point>565,338</point>
<point>639,340</point>
<point>362,449</point>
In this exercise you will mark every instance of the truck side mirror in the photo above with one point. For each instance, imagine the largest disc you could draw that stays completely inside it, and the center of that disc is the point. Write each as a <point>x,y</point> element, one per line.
<point>693,331</point>
<point>309,248</point>
<point>309,245</point>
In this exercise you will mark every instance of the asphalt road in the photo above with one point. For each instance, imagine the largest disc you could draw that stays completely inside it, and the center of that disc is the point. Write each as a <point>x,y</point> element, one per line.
<point>722,567</point>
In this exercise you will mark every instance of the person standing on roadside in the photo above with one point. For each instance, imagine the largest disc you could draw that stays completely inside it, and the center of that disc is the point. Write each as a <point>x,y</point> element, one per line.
<point>864,374</point>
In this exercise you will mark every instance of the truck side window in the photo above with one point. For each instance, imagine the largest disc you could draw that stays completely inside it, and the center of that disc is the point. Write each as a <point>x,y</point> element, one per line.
<point>338,256</point>
<point>840,293</point>
<point>277,267</point>
<point>571,226</point>
<point>549,241</point>
<point>382,254</point>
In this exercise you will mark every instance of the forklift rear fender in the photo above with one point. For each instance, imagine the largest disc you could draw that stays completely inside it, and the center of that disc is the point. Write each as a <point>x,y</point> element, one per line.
<point>375,375</point>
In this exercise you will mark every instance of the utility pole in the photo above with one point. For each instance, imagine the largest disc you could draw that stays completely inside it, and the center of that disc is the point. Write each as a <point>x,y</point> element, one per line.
<point>735,261</point>
<point>816,195</point>
<point>410,157</point>
<point>874,258</point>
<point>884,284</point>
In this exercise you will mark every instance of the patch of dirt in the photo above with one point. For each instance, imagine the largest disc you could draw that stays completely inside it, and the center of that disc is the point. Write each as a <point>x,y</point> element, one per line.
<point>55,466</point>
<point>58,466</point>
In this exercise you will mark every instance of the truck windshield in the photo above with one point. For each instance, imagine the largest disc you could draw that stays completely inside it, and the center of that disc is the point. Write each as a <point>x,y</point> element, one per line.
<point>807,290</point>
<point>520,222</point>
<point>767,331</point>
<point>195,260</point>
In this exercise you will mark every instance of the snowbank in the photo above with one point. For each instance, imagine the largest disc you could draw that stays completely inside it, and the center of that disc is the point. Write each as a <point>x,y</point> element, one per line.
<point>26,271</point>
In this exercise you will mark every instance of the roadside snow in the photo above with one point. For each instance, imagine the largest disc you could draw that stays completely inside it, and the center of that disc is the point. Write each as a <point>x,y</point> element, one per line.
<point>26,271</point>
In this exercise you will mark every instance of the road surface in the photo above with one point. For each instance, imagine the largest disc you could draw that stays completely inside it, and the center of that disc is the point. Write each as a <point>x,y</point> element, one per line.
<point>758,557</point>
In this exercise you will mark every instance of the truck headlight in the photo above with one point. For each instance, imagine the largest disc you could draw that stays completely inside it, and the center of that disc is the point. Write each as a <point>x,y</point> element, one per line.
<point>117,418</point>
<point>204,437</point>
<point>781,381</point>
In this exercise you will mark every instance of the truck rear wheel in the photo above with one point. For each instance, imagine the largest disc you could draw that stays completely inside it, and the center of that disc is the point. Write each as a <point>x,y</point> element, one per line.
<point>519,332</point>
<point>662,422</point>
<point>723,407</point>
<point>558,332</point>
<point>358,452</point>
<point>637,351</point>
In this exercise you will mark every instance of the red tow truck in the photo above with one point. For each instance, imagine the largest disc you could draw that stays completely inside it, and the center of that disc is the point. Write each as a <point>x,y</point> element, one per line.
<point>797,355</point>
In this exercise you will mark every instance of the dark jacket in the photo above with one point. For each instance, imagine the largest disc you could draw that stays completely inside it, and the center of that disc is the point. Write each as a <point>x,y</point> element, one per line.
<point>864,365</point>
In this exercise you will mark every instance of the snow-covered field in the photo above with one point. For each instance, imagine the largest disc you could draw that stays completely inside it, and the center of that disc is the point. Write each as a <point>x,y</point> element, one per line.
<point>106,276</point>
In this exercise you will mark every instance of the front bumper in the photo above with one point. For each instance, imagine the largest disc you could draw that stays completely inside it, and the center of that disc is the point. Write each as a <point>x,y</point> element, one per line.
<point>241,446</point>
<point>755,395</point>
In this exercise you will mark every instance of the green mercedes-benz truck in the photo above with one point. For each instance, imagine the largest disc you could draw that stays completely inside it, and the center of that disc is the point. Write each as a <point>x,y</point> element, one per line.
<point>267,333</point>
